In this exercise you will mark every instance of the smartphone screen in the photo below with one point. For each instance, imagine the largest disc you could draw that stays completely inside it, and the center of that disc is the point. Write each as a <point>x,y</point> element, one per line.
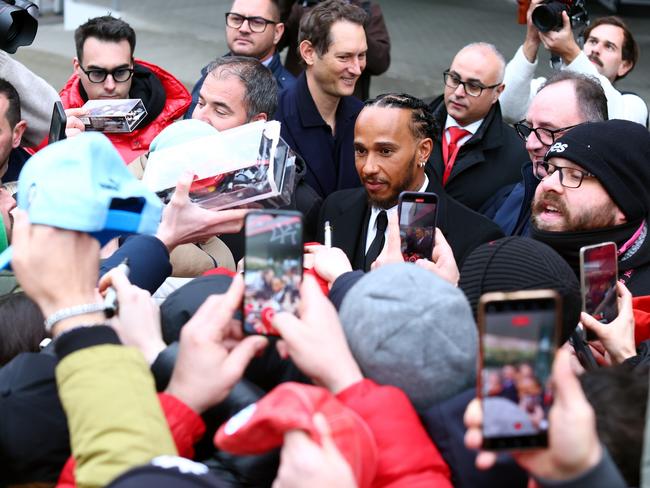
<point>272,268</point>
<point>417,224</point>
<point>599,274</point>
<point>518,342</point>
<point>58,123</point>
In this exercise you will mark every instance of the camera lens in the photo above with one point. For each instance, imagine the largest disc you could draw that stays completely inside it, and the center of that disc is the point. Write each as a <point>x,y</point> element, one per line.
<point>548,17</point>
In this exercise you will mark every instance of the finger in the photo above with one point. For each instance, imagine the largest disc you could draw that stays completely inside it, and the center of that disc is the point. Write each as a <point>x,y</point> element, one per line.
<point>567,388</point>
<point>324,433</point>
<point>183,186</point>
<point>473,417</point>
<point>624,298</point>
<point>441,245</point>
<point>485,459</point>
<point>288,326</point>
<point>20,229</point>
<point>283,348</point>
<point>473,439</point>
<point>314,248</point>
<point>116,278</point>
<point>310,294</point>
<point>591,323</point>
<point>75,112</point>
<point>393,245</point>
<point>236,362</point>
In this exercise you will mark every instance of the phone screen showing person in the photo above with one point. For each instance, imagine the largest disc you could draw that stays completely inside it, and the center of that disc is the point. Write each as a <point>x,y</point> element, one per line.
<point>417,224</point>
<point>272,268</point>
<point>58,123</point>
<point>599,274</point>
<point>518,342</point>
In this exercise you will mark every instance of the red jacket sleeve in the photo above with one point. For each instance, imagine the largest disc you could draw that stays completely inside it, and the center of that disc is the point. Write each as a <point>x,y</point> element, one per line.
<point>407,456</point>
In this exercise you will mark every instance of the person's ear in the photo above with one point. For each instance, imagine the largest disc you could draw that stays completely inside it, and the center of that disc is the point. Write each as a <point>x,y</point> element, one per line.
<point>624,68</point>
<point>425,146</point>
<point>307,52</point>
<point>17,133</point>
<point>260,116</point>
<point>279,30</point>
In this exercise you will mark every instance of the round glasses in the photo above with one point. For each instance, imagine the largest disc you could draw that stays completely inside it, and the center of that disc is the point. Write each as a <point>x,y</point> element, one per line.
<point>98,75</point>
<point>569,177</point>
<point>255,24</point>
<point>472,88</point>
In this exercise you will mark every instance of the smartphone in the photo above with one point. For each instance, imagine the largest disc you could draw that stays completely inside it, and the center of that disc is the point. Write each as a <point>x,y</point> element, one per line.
<point>272,268</point>
<point>417,224</point>
<point>518,336</point>
<point>58,123</point>
<point>598,277</point>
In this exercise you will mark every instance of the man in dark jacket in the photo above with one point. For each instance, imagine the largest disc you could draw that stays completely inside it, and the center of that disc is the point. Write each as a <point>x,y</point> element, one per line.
<point>475,152</point>
<point>318,112</point>
<point>253,29</point>
<point>392,141</point>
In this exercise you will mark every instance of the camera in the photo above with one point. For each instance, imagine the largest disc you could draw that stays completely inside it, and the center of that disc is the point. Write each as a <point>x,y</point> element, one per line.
<point>18,24</point>
<point>548,15</point>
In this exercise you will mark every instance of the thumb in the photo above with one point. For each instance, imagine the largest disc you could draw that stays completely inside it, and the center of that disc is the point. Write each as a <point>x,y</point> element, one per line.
<point>237,361</point>
<point>567,389</point>
<point>324,432</point>
<point>287,325</point>
<point>591,323</point>
<point>393,245</point>
<point>183,186</point>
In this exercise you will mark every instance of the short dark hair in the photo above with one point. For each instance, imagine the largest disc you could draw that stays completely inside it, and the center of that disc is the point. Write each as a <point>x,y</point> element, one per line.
<point>629,49</point>
<point>259,84</point>
<point>619,398</point>
<point>591,99</point>
<point>21,326</point>
<point>13,110</point>
<point>423,123</point>
<point>316,24</point>
<point>106,28</point>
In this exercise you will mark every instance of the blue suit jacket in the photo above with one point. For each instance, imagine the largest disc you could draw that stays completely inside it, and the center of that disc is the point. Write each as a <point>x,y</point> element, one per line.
<point>329,158</point>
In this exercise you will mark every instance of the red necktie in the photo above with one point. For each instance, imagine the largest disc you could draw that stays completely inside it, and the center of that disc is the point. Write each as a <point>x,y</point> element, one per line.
<point>450,149</point>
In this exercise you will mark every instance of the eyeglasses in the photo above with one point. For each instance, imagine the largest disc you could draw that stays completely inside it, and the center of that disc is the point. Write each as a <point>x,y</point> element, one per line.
<point>98,75</point>
<point>472,88</point>
<point>569,177</point>
<point>256,24</point>
<point>545,136</point>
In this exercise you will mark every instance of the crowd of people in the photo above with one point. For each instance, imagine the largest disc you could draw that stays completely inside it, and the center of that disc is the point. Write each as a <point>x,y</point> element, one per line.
<point>133,352</point>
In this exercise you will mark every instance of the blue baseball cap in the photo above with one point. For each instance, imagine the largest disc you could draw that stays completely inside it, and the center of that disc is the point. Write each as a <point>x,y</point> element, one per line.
<point>83,184</point>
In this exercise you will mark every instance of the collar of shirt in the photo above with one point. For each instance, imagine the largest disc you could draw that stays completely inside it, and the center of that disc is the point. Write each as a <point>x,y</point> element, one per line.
<point>391,212</point>
<point>348,108</point>
<point>471,128</point>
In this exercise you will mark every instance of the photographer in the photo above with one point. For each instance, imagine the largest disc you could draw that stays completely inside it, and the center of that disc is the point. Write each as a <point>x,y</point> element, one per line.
<point>610,53</point>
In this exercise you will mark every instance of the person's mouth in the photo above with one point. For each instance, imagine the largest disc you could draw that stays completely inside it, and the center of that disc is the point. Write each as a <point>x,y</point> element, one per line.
<point>374,186</point>
<point>596,60</point>
<point>349,80</point>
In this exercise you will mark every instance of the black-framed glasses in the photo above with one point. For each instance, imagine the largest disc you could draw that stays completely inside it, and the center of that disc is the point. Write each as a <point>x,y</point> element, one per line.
<point>98,75</point>
<point>545,136</point>
<point>256,24</point>
<point>472,88</point>
<point>569,177</point>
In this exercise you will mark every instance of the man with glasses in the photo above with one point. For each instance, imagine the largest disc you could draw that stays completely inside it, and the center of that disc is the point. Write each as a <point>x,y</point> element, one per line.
<point>593,188</point>
<point>566,100</point>
<point>104,68</point>
<point>253,29</point>
<point>475,153</point>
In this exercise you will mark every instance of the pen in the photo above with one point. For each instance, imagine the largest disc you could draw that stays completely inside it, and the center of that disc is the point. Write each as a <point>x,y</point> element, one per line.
<point>328,234</point>
<point>110,300</point>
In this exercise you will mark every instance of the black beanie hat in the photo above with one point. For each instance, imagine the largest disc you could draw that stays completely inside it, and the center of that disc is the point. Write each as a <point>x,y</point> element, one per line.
<point>520,263</point>
<point>617,152</point>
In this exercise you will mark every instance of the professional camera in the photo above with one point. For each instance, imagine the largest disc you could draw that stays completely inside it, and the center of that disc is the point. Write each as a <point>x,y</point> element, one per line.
<point>548,15</point>
<point>18,24</point>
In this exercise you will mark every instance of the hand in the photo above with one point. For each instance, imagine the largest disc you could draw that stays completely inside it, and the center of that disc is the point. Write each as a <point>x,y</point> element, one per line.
<point>138,320</point>
<point>392,251</point>
<point>74,126</point>
<point>442,261</point>
<point>316,341</point>
<point>57,268</point>
<point>304,463</point>
<point>329,262</point>
<point>573,442</point>
<point>206,370</point>
<point>617,337</point>
<point>562,42</point>
<point>532,41</point>
<point>184,221</point>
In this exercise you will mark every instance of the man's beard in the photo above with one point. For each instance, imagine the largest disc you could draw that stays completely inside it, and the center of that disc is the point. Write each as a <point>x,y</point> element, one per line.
<point>591,218</point>
<point>404,184</point>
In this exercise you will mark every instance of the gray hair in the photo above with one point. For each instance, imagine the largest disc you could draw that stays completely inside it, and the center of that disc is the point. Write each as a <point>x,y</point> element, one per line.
<point>261,89</point>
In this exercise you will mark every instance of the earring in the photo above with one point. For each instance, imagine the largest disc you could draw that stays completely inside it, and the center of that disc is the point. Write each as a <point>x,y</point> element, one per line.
<point>421,164</point>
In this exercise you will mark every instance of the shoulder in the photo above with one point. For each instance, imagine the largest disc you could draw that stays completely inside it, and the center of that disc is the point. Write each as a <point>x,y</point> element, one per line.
<point>342,200</point>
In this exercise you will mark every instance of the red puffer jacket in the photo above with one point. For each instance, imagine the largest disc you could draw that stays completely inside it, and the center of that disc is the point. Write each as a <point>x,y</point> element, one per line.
<point>136,143</point>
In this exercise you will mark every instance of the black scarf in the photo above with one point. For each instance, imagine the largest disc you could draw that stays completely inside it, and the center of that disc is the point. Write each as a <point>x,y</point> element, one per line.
<point>147,87</point>
<point>568,244</point>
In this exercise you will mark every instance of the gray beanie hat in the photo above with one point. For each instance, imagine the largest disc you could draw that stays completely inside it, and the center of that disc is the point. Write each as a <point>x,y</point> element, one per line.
<point>409,328</point>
